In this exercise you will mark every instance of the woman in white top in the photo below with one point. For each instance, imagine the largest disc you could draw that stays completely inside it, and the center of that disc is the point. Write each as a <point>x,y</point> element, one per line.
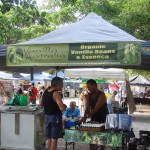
<point>83,100</point>
<point>110,101</point>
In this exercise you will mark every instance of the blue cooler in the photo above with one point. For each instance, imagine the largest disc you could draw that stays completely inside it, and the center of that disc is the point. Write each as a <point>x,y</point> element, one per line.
<point>69,124</point>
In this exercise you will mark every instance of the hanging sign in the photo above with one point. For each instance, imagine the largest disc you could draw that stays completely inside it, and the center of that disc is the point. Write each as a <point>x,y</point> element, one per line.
<point>83,54</point>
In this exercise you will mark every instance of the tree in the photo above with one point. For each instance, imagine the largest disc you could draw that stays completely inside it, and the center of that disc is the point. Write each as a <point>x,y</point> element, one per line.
<point>133,72</point>
<point>135,18</point>
<point>16,17</point>
<point>130,15</point>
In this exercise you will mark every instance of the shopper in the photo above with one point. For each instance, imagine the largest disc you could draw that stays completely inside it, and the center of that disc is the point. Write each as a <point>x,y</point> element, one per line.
<point>32,94</point>
<point>111,101</point>
<point>21,89</point>
<point>83,96</point>
<point>53,107</point>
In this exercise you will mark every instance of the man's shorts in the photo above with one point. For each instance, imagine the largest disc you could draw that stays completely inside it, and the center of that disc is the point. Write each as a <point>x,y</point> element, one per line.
<point>53,126</point>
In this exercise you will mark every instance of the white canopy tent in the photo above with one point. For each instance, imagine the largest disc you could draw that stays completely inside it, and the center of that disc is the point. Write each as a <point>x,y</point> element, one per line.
<point>139,80</point>
<point>97,73</point>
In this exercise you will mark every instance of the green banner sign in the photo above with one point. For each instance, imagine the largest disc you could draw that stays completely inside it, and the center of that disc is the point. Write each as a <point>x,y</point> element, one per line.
<point>102,138</point>
<point>97,81</point>
<point>85,54</point>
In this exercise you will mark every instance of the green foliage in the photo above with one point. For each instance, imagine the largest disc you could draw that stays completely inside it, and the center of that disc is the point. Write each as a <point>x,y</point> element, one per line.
<point>33,32</point>
<point>17,17</point>
<point>133,72</point>
<point>130,15</point>
<point>21,15</point>
<point>135,18</point>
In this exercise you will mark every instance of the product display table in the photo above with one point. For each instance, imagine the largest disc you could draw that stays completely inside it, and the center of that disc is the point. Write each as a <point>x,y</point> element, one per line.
<point>111,139</point>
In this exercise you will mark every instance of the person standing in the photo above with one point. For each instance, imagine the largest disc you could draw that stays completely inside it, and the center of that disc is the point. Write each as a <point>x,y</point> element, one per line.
<point>53,108</point>
<point>21,89</point>
<point>32,94</point>
<point>111,101</point>
<point>96,106</point>
<point>83,100</point>
<point>41,94</point>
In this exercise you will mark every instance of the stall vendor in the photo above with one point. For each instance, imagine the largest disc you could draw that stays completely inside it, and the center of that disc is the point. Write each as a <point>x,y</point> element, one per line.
<point>96,106</point>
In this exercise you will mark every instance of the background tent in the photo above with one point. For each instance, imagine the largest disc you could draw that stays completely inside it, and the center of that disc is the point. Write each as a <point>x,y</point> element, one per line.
<point>97,73</point>
<point>10,76</point>
<point>4,75</point>
<point>139,81</point>
<point>116,74</point>
<point>36,76</point>
<point>58,74</point>
<point>113,86</point>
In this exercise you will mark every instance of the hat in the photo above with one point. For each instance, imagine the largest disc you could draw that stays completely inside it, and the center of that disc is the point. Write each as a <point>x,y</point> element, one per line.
<point>21,84</point>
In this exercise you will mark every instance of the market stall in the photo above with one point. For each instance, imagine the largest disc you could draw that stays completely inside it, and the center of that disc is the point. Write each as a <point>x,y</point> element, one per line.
<point>90,42</point>
<point>140,87</point>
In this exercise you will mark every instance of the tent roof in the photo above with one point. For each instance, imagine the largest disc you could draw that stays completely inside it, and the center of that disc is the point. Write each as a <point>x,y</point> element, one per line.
<point>36,76</point>
<point>97,73</point>
<point>139,80</point>
<point>92,28</point>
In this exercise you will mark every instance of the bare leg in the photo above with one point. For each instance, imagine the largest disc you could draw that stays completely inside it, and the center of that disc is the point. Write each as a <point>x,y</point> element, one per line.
<point>53,145</point>
<point>49,144</point>
<point>82,108</point>
<point>63,123</point>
